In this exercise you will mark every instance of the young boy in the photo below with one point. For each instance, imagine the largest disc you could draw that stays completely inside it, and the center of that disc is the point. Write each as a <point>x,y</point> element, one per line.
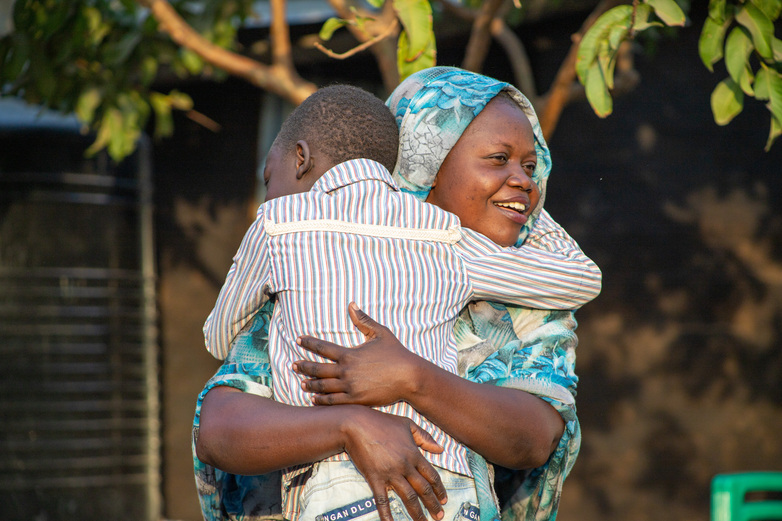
<point>349,235</point>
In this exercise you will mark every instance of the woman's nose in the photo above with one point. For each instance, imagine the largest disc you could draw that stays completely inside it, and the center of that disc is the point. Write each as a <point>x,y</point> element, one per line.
<point>520,179</point>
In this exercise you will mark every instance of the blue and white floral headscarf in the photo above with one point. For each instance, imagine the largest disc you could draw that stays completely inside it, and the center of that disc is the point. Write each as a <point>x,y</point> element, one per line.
<point>528,349</point>
<point>433,107</point>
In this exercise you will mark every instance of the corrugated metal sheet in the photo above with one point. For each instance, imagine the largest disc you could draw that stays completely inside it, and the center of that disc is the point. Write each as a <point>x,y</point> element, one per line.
<point>79,436</point>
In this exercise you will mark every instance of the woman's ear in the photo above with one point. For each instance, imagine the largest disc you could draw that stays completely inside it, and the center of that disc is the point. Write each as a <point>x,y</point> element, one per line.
<point>304,160</point>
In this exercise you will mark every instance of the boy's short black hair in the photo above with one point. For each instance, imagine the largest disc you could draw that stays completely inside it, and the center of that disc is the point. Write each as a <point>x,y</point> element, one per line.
<point>347,123</point>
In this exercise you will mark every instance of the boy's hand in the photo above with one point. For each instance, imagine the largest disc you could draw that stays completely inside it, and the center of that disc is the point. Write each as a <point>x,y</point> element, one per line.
<point>381,371</point>
<point>385,450</point>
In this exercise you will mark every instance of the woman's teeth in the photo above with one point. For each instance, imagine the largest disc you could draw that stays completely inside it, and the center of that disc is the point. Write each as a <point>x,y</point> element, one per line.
<point>518,207</point>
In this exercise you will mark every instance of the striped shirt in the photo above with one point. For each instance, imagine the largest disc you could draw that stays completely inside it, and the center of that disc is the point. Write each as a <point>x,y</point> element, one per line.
<point>356,238</point>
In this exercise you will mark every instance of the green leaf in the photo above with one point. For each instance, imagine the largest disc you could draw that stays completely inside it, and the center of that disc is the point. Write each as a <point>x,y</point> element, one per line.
<point>616,36</point>
<point>192,62</point>
<point>668,11</point>
<point>606,59</point>
<point>5,51</point>
<point>180,100</point>
<point>774,133</point>
<point>22,16</point>
<point>20,56</point>
<point>329,26</point>
<point>771,8</point>
<point>717,11</point>
<point>88,101</point>
<point>759,26</point>
<point>57,14</point>
<point>597,91</point>
<point>762,84</point>
<point>711,41</point>
<point>96,28</point>
<point>164,123</point>
<point>600,31</point>
<point>727,101</point>
<point>361,21</point>
<point>416,18</point>
<point>376,3</point>
<point>768,86</point>
<point>126,129</point>
<point>773,80</point>
<point>738,47</point>
<point>105,129</point>
<point>42,73</point>
<point>148,70</point>
<point>118,53</point>
<point>407,66</point>
<point>642,14</point>
<point>776,48</point>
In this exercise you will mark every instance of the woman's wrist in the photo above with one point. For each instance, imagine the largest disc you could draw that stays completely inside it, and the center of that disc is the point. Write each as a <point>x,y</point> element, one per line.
<point>350,419</point>
<point>421,381</point>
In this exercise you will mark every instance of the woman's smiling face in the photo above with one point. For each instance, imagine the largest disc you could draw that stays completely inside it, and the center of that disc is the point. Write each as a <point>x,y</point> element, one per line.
<point>486,178</point>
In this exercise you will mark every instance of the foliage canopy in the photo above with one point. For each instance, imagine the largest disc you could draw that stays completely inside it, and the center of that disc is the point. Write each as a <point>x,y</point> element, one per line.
<point>99,59</point>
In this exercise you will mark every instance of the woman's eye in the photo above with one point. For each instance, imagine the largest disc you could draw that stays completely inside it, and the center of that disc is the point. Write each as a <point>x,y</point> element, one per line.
<point>500,158</point>
<point>529,167</point>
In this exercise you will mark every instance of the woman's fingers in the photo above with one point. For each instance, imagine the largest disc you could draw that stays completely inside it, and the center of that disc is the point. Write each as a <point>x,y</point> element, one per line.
<point>411,490</point>
<point>434,483</point>
<point>424,489</point>
<point>424,440</point>
<point>409,498</point>
<point>330,399</point>
<point>381,500</point>
<point>363,322</point>
<point>321,347</point>
<point>316,369</point>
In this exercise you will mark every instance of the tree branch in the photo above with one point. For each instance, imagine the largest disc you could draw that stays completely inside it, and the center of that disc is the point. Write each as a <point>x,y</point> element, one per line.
<point>478,45</point>
<point>517,55</point>
<point>558,95</point>
<point>355,50</point>
<point>279,35</point>
<point>384,49</point>
<point>510,42</point>
<point>280,78</point>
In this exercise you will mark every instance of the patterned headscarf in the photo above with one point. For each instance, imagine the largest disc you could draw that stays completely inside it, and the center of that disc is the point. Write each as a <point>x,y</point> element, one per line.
<point>433,108</point>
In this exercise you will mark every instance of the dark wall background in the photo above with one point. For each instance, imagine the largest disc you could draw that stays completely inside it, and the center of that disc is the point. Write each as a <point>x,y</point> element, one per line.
<point>679,359</point>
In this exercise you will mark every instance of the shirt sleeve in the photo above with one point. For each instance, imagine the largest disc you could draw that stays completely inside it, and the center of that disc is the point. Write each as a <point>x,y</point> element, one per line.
<point>549,271</point>
<point>223,495</point>
<point>245,290</point>
<point>541,362</point>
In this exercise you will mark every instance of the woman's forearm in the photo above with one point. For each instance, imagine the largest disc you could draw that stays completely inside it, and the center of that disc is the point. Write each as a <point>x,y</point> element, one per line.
<point>506,426</point>
<point>248,434</point>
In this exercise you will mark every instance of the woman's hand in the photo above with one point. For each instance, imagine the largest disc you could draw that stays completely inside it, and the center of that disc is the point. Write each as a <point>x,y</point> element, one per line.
<point>385,450</point>
<point>247,434</point>
<point>381,371</point>
<point>506,426</point>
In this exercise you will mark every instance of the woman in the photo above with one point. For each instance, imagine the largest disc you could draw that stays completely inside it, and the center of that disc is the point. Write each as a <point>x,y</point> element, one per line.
<point>440,104</point>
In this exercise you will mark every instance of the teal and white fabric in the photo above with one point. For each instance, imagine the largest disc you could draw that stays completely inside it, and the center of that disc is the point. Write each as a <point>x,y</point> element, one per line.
<point>527,349</point>
<point>224,496</point>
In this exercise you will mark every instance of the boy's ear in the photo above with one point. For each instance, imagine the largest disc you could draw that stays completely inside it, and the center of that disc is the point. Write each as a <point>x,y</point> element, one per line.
<point>304,161</point>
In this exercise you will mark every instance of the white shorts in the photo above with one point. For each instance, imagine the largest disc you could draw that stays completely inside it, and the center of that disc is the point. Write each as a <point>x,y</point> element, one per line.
<point>336,491</point>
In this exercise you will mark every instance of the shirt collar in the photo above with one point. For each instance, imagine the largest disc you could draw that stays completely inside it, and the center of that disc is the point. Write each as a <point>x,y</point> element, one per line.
<point>353,171</point>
